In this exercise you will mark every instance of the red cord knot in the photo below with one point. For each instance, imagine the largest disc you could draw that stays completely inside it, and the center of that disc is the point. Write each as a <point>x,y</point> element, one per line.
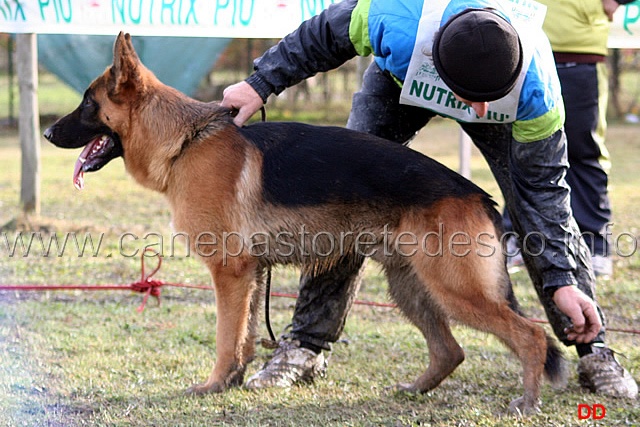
<point>147,285</point>
<point>149,288</point>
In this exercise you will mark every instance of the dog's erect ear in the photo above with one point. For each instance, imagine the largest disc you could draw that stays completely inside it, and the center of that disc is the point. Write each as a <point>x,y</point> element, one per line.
<point>125,71</point>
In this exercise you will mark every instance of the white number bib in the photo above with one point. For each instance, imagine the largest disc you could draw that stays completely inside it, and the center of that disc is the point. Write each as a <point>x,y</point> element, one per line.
<point>423,87</point>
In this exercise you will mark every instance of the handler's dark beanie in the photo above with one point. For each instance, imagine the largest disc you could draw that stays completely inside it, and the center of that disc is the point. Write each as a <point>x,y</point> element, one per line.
<point>477,53</point>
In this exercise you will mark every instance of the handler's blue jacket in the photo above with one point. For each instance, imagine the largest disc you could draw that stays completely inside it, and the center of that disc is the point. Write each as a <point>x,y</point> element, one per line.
<point>387,29</point>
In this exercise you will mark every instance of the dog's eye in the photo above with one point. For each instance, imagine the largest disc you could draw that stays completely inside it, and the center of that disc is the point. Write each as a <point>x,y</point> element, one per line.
<point>88,103</point>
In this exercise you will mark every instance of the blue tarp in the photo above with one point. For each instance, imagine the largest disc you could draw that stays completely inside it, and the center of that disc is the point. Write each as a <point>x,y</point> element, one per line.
<point>181,62</point>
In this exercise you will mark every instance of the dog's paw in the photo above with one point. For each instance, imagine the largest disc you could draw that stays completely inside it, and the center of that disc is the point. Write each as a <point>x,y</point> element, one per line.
<point>200,389</point>
<point>522,407</point>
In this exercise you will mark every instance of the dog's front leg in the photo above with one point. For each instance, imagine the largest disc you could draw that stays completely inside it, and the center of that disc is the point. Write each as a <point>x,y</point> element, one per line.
<point>234,284</point>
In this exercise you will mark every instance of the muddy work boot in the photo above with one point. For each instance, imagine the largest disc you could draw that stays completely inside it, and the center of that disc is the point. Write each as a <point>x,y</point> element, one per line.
<point>601,373</point>
<point>289,364</point>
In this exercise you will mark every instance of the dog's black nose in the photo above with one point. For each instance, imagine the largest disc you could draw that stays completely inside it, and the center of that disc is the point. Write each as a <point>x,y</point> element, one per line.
<point>48,134</point>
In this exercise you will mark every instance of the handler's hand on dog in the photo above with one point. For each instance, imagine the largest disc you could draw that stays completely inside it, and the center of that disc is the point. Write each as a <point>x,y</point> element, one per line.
<point>581,310</point>
<point>243,98</point>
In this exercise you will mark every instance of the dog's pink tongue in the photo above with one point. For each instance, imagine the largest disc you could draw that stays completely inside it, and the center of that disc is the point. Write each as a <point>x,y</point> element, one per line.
<point>78,174</point>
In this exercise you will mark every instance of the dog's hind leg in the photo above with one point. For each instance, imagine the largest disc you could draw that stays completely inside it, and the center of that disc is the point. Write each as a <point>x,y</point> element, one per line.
<point>468,280</point>
<point>469,290</point>
<point>235,286</point>
<point>525,339</point>
<point>412,298</point>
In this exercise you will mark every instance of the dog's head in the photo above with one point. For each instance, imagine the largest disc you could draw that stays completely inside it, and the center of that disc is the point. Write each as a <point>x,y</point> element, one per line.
<point>101,121</point>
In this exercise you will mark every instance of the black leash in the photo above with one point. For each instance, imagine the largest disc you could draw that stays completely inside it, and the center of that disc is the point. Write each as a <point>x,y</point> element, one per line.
<point>267,299</point>
<point>267,296</point>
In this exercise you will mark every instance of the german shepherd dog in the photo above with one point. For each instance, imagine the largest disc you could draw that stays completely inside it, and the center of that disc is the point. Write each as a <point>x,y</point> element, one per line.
<point>289,193</point>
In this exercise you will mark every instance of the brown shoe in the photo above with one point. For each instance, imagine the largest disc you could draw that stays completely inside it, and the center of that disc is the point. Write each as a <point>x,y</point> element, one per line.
<point>601,373</point>
<point>289,364</point>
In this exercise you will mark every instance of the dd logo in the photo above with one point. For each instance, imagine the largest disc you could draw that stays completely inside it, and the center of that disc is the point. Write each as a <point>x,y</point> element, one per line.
<point>595,411</point>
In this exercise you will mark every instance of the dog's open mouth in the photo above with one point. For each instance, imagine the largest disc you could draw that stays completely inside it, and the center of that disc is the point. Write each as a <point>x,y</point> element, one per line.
<point>94,156</point>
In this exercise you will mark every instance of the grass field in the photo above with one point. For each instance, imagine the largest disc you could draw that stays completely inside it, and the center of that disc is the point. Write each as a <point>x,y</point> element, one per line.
<point>73,358</point>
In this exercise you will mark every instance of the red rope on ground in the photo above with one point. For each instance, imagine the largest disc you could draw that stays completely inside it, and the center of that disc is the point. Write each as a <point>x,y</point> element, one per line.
<point>146,285</point>
<point>151,287</point>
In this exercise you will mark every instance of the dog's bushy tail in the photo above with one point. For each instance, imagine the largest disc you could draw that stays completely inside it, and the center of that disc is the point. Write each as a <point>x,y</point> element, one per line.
<point>555,366</point>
